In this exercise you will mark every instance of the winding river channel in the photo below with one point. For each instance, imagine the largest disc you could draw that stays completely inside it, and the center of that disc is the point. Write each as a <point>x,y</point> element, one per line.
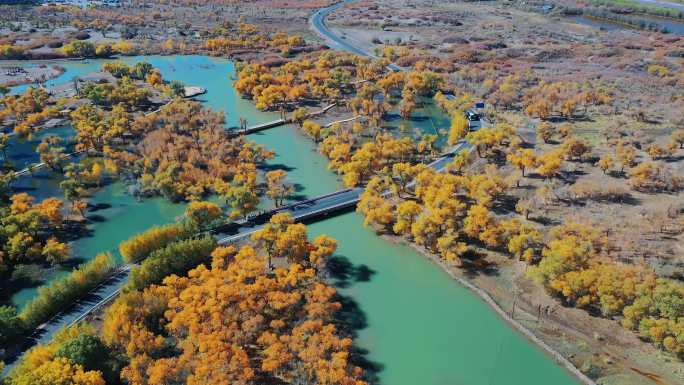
<point>415,324</point>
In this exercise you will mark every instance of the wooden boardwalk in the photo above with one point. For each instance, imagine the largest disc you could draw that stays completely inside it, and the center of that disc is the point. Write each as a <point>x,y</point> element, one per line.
<point>276,123</point>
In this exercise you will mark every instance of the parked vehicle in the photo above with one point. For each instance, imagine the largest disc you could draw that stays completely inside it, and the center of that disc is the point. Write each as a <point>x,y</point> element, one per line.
<point>474,120</point>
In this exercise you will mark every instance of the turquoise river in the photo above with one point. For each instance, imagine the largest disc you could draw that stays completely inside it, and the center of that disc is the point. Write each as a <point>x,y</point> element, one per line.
<point>412,322</point>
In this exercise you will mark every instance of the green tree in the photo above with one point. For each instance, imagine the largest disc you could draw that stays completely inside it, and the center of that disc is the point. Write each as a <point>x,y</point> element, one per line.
<point>10,325</point>
<point>243,199</point>
<point>177,88</point>
<point>78,48</point>
<point>92,354</point>
<point>140,70</point>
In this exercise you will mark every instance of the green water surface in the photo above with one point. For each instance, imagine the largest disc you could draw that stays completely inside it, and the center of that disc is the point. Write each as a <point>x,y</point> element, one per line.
<point>418,326</point>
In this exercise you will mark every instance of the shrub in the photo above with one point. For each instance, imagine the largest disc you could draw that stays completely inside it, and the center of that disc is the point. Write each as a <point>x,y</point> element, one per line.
<point>103,50</point>
<point>79,48</point>
<point>63,292</point>
<point>598,191</point>
<point>204,214</point>
<point>9,52</point>
<point>82,35</point>
<point>176,258</point>
<point>141,245</point>
<point>654,177</point>
<point>55,44</point>
<point>10,325</point>
<point>91,353</point>
<point>29,274</point>
<point>125,48</point>
<point>118,69</point>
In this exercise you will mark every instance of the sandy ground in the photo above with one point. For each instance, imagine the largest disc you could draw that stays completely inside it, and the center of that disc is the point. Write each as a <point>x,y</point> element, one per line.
<point>27,74</point>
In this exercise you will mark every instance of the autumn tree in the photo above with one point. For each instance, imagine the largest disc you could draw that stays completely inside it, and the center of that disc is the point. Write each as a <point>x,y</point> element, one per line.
<point>407,104</point>
<point>626,154</point>
<point>376,209</point>
<point>575,148</point>
<point>278,188</point>
<point>281,238</point>
<point>545,131</point>
<point>523,159</point>
<point>242,198</point>
<point>277,322</point>
<point>678,137</point>
<point>654,177</point>
<point>606,163</point>
<point>459,127</point>
<point>51,153</point>
<point>299,115</point>
<point>550,163</point>
<point>204,214</point>
<point>312,129</point>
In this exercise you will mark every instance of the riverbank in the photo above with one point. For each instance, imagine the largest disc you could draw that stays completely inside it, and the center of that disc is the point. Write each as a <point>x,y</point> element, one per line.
<point>568,335</point>
<point>19,74</point>
<point>508,317</point>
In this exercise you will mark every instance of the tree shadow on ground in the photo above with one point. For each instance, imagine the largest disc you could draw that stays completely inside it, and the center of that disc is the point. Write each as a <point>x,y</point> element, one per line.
<point>544,220</point>
<point>26,189</point>
<point>506,205</point>
<point>474,263</point>
<point>350,318</point>
<point>391,117</point>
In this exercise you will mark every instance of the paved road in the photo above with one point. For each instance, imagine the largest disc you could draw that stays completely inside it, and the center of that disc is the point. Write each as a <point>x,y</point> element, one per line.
<point>318,24</point>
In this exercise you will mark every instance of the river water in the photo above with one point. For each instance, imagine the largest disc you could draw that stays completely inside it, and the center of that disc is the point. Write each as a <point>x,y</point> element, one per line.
<point>416,324</point>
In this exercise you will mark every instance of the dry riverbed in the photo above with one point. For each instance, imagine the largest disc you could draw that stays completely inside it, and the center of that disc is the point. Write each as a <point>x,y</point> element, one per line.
<point>13,74</point>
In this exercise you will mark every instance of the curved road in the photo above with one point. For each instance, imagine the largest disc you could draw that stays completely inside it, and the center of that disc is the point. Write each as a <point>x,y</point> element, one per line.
<point>317,23</point>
